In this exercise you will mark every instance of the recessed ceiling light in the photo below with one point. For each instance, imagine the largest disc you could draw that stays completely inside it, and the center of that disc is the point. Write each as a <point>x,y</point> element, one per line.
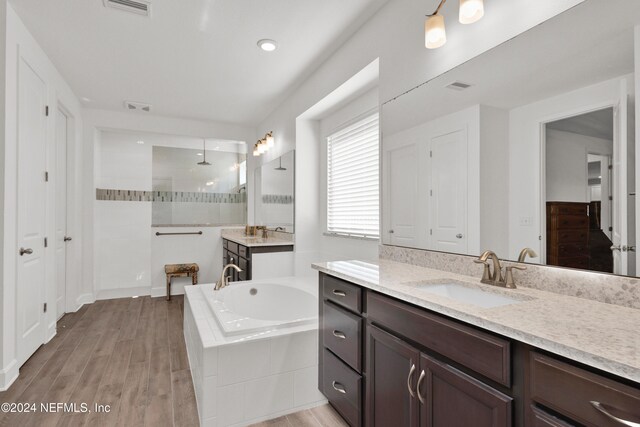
<point>140,142</point>
<point>267,45</point>
<point>85,99</point>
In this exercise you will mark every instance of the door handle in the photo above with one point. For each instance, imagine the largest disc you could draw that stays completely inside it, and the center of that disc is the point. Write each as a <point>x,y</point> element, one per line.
<point>24,251</point>
<point>631,248</point>
<point>459,236</point>
<point>67,239</point>
<point>411,371</point>
<point>391,231</point>
<point>616,248</point>
<point>422,375</point>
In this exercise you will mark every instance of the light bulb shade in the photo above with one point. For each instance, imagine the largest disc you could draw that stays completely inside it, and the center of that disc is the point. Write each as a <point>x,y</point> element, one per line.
<point>262,147</point>
<point>435,35</point>
<point>270,140</point>
<point>471,11</point>
<point>256,152</point>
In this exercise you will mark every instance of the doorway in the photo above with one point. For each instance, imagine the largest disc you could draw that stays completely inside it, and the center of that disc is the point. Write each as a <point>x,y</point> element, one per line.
<point>62,126</point>
<point>583,214</point>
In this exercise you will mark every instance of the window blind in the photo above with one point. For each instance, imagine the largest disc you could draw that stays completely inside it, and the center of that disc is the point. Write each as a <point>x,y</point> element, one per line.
<point>353,196</point>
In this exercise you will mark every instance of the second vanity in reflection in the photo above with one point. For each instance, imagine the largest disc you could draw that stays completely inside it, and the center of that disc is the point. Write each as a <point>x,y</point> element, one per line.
<point>240,250</point>
<point>446,351</point>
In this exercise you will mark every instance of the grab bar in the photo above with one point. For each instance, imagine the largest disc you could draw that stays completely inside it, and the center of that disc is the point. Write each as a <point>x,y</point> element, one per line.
<point>177,234</point>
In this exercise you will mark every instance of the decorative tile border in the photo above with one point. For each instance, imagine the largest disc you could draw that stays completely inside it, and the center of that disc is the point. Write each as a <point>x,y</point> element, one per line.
<point>169,196</point>
<point>607,288</point>
<point>277,199</point>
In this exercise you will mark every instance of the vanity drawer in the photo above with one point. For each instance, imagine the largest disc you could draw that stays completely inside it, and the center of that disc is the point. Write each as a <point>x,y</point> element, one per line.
<point>570,391</point>
<point>342,334</point>
<point>572,236</point>
<point>232,247</point>
<point>572,221</point>
<point>540,418</point>
<point>485,354</point>
<point>572,250</point>
<point>342,293</point>
<point>242,251</point>
<point>343,388</point>
<point>225,243</point>
<point>243,264</point>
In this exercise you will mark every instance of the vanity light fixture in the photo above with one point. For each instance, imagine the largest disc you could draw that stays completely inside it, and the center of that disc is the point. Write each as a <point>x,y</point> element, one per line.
<point>471,11</point>
<point>140,142</point>
<point>435,34</point>
<point>267,45</point>
<point>264,144</point>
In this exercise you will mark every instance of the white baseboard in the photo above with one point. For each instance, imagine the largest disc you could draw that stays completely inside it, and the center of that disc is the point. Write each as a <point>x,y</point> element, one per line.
<point>162,291</point>
<point>84,299</point>
<point>51,331</point>
<point>123,293</point>
<point>8,375</point>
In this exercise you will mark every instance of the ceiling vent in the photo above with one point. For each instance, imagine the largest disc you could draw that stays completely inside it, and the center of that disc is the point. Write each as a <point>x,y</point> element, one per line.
<point>458,86</point>
<point>137,106</point>
<point>139,7</point>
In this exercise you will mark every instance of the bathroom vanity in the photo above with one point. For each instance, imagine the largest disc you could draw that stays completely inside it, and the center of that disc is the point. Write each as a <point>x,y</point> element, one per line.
<point>396,350</point>
<point>239,250</point>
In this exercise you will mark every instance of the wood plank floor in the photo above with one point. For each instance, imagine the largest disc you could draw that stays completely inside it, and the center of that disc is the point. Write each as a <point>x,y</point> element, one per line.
<point>129,354</point>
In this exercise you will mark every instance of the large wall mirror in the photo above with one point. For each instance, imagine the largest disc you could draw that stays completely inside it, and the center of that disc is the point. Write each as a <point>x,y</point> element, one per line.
<point>531,144</point>
<point>274,191</point>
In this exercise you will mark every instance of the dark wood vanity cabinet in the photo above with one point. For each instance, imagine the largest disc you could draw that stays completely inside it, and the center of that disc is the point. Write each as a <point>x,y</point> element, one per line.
<point>240,255</point>
<point>384,362</point>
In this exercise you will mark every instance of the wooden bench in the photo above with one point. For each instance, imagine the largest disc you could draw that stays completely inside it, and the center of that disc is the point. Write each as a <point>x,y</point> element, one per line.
<point>180,270</point>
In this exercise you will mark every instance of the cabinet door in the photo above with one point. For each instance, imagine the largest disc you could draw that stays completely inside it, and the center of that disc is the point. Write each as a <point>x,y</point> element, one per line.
<point>450,398</point>
<point>391,374</point>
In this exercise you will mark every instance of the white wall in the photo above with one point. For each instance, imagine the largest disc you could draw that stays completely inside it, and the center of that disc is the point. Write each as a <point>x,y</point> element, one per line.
<point>566,164</point>
<point>149,250</point>
<point>19,42</point>
<point>525,152</point>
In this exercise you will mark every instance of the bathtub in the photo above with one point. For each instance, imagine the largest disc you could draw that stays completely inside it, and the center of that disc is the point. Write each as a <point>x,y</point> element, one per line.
<point>253,349</point>
<point>245,307</point>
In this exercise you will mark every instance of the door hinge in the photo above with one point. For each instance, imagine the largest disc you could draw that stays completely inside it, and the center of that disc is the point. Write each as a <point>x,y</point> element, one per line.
<point>45,308</point>
<point>46,176</point>
<point>431,232</point>
<point>46,242</point>
<point>431,193</point>
<point>610,228</point>
<point>430,153</point>
<point>610,167</point>
<point>46,111</point>
<point>610,197</point>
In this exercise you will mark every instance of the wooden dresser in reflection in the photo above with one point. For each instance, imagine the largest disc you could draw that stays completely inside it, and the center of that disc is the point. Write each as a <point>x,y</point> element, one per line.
<point>568,234</point>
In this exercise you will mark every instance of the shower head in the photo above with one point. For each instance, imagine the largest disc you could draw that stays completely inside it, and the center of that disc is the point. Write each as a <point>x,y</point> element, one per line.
<point>204,155</point>
<point>280,168</point>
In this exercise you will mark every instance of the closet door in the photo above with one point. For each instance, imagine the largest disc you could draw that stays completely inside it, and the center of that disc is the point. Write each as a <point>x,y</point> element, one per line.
<point>31,266</point>
<point>402,196</point>
<point>448,192</point>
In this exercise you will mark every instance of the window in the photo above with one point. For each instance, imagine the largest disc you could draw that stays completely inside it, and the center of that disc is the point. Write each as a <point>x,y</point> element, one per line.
<point>353,196</point>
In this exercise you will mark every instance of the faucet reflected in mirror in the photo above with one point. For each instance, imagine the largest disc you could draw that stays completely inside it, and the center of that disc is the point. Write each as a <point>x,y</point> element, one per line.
<point>223,282</point>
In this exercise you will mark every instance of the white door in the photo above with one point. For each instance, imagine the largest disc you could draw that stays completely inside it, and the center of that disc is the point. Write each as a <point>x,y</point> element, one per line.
<point>403,195</point>
<point>31,325</point>
<point>60,241</point>
<point>448,193</point>
<point>619,178</point>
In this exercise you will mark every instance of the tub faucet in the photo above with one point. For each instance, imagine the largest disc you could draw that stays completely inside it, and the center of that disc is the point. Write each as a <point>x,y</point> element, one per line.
<point>224,280</point>
<point>488,277</point>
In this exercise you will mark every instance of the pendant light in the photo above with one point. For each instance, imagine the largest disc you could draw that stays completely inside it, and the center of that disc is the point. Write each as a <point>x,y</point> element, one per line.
<point>471,11</point>
<point>435,35</point>
<point>270,140</point>
<point>204,154</point>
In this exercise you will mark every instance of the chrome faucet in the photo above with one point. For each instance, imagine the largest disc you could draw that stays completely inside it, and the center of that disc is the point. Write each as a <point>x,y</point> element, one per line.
<point>224,280</point>
<point>488,277</point>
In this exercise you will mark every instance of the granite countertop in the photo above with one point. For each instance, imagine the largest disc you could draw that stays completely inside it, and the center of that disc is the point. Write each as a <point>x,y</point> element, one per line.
<point>601,335</point>
<point>253,241</point>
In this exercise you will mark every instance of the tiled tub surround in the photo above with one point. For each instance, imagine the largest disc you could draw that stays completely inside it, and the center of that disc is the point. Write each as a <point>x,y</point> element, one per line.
<point>607,288</point>
<point>243,379</point>
<point>600,335</point>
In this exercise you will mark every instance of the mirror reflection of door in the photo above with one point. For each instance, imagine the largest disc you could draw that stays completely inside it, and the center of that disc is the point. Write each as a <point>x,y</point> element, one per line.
<point>580,184</point>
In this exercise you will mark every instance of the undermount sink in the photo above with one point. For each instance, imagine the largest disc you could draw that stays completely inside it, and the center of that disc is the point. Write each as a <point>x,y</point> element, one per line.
<point>468,295</point>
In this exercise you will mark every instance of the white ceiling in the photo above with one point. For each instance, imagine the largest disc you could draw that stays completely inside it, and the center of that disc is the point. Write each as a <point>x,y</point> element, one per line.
<point>579,47</point>
<point>192,58</point>
<point>598,124</point>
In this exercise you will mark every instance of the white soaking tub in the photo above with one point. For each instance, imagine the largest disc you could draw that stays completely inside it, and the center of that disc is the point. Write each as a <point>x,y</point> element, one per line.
<point>253,349</point>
